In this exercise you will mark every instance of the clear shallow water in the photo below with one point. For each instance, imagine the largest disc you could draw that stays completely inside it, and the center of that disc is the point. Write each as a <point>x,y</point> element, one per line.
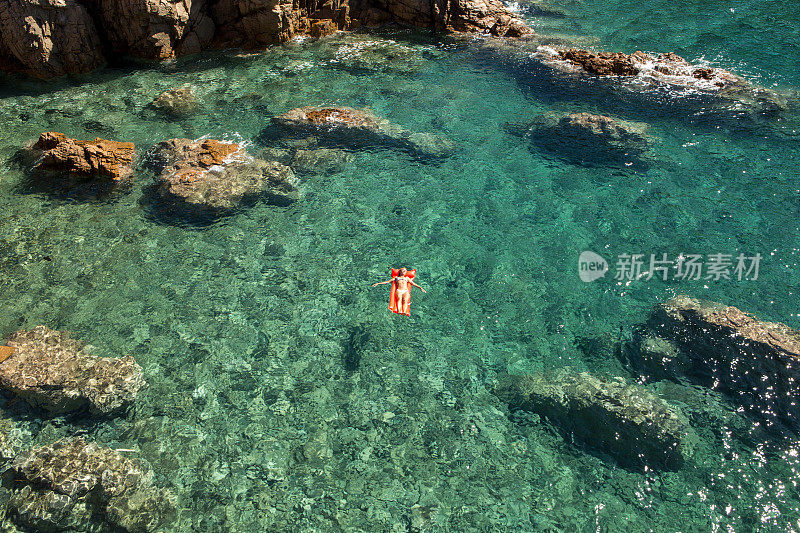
<point>246,328</point>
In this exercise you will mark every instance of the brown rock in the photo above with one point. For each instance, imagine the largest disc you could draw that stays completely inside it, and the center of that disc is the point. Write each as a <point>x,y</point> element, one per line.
<point>321,28</point>
<point>51,370</point>
<point>465,16</point>
<point>216,175</point>
<point>602,64</point>
<point>669,71</point>
<point>99,158</point>
<point>6,352</point>
<point>78,486</point>
<point>156,29</point>
<point>48,38</point>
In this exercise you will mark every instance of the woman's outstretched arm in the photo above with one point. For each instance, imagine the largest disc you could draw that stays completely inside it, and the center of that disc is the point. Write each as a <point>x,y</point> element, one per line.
<point>417,286</point>
<point>382,282</point>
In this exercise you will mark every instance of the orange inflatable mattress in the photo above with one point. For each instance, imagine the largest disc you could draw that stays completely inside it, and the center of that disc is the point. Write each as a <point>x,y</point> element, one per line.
<point>394,305</point>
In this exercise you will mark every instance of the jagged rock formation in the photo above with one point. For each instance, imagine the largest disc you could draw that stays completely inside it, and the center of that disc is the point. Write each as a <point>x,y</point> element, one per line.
<point>213,175</point>
<point>466,16</point>
<point>58,154</point>
<point>622,419</point>
<point>51,370</point>
<point>665,71</point>
<point>77,486</point>
<point>360,126</point>
<point>49,38</point>
<point>756,362</point>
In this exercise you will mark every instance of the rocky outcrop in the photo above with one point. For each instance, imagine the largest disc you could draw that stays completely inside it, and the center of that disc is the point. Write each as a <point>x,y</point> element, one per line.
<point>588,137</point>
<point>257,24</point>
<point>754,361</point>
<point>58,154</point>
<point>73,485</point>
<point>465,16</point>
<point>624,420</point>
<point>211,175</point>
<point>177,102</point>
<point>48,38</point>
<point>155,29</point>
<point>360,127</point>
<point>51,370</point>
<point>665,71</point>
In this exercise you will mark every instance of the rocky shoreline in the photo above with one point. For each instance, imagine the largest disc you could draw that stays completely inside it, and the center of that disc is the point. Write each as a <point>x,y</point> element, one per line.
<point>51,38</point>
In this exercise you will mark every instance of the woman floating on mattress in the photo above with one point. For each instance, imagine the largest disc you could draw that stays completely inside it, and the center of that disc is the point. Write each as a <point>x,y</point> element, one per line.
<point>400,295</point>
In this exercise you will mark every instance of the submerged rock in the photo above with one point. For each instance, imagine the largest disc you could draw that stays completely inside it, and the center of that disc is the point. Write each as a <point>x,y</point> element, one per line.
<point>665,71</point>
<point>177,102</point>
<point>75,485</point>
<point>310,160</point>
<point>345,125</point>
<point>359,53</point>
<point>756,362</point>
<point>625,420</point>
<point>588,137</point>
<point>51,370</point>
<point>218,175</point>
<point>100,158</point>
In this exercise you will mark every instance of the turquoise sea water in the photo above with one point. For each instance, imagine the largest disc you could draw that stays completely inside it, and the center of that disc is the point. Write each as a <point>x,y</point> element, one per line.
<point>282,394</point>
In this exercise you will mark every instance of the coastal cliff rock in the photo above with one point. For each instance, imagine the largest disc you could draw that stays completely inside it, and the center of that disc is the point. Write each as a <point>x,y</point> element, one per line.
<point>78,486</point>
<point>155,29</point>
<point>756,362</point>
<point>214,175</point>
<point>665,71</point>
<point>255,24</point>
<point>463,16</point>
<point>625,420</point>
<point>48,38</point>
<point>344,125</point>
<point>51,370</point>
<point>100,158</point>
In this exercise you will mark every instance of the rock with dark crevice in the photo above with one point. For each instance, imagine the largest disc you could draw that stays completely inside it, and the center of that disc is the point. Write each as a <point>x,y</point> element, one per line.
<point>53,371</point>
<point>48,38</point>
<point>625,420</point>
<point>73,485</point>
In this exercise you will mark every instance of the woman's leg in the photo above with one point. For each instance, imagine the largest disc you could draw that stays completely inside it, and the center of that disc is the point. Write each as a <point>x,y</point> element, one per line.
<point>405,302</point>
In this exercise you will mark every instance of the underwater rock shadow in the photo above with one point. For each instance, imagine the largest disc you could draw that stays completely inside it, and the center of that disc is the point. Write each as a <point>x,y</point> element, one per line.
<point>161,210</point>
<point>577,150</point>
<point>273,135</point>
<point>64,187</point>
